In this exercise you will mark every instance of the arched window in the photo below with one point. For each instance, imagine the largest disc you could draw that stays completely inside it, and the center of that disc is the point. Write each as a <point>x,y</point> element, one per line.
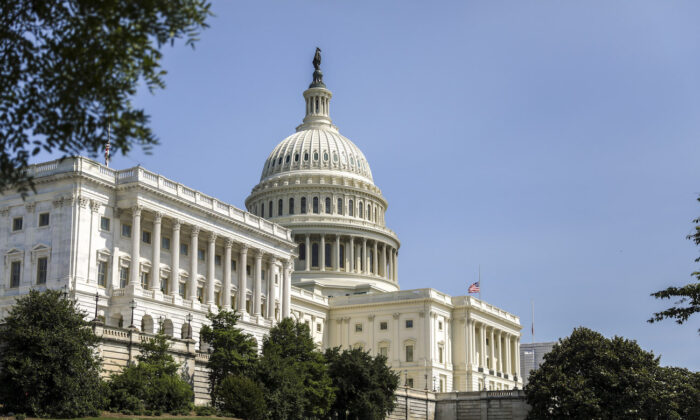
<point>302,252</point>
<point>167,327</point>
<point>342,256</point>
<point>269,209</point>
<point>296,157</point>
<point>286,160</point>
<point>280,203</point>
<point>359,210</point>
<point>328,255</point>
<point>315,155</point>
<point>306,156</point>
<point>375,214</point>
<point>314,255</point>
<point>351,209</point>
<point>279,161</point>
<point>369,212</point>
<point>371,262</point>
<point>186,331</point>
<point>340,206</point>
<point>328,205</point>
<point>291,205</point>
<point>315,205</point>
<point>147,324</point>
<point>303,205</point>
<point>262,210</point>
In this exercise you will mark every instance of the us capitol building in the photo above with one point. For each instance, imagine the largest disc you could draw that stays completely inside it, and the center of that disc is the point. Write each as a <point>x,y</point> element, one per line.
<point>138,251</point>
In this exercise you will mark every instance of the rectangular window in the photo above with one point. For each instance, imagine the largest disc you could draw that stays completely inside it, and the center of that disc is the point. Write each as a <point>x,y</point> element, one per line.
<point>182,289</point>
<point>17,224</point>
<point>200,254</point>
<point>247,270</point>
<point>43,219</point>
<point>233,265</point>
<point>318,327</point>
<point>409,382</point>
<point>15,273</point>
<point>146,236</point>
<point>123,277</point>
<point>102,273</point>
<point>384,351</point>
<point>144,280</point>
<point>164,286</point>
<point>340,206</point>
<point>440,325</point>
<point>262,274</point>
<point>276,279</point>
<point>217,259</point>
<point>42,268</point>
<point>105,224</point>
<point>409,353</point>
<point>165,242</point>
<point>409,323</point>
<point>358,327</point>
<point>383,325</point>
<point>200,293</point>
<point>126,231</point>
<point>440,352</point>
<point>217,298</point>
<point>183,249</point>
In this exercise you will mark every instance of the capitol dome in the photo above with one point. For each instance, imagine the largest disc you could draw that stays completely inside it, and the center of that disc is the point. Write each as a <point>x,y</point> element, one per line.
<point>319,184</point>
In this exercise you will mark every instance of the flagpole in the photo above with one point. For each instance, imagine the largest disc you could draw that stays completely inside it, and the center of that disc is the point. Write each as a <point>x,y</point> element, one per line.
<point>532,302</point>
<point>480,282</point>
<point>109,134</point>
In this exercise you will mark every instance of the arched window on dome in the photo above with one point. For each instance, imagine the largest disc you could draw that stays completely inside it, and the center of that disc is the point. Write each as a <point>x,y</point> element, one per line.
<point>306,156</point>
<point>375,215</point>
<point>314,255</point>
<point>279,161</point>
<point>302,252</point>
<point>325,156</point>
<point>359,210</point>
<point>315,205</point>
<point>351,209</point>
<point>280,204</point>
<point>286,160</point>
<point>371,262</point>
<point>296,157</point>
<point>369,212</point>
<point>262,210</point>
<point>341,252</point>
<point>328,255</point>
<point>303,205</point>
<point>269,209</point>
<point>291,205</point>
<point>328,205</point>
<point>340,206</point>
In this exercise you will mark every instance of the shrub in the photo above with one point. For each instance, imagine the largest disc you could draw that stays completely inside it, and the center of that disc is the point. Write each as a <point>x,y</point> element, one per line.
<point>242,397</point>
<point>205,410</point>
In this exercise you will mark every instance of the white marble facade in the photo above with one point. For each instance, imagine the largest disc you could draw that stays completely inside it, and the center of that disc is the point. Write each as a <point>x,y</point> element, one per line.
<point>313,245</point>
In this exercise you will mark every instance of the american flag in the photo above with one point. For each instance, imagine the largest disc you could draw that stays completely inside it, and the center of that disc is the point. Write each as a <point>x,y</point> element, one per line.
<point>474,288</point>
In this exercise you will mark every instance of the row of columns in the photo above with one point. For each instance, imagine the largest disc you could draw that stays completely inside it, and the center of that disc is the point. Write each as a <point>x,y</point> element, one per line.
<point>274,264</point>
<point>383,262</point>
<point>507,360</point>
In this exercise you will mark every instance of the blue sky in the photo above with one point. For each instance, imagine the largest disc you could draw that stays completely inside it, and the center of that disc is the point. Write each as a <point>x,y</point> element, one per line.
<point>554,143</point>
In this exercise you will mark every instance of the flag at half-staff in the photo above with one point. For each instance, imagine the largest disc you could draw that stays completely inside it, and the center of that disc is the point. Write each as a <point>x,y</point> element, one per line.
<point>109,132</point>
<point>474,288</point>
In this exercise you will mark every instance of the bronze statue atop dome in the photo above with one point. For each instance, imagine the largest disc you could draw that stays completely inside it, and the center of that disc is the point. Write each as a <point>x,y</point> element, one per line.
<point>318,76</point>
<point>317,59</point>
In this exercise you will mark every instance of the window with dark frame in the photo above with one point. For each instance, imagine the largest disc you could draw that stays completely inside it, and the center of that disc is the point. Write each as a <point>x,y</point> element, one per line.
<point>105,223</point>
<point>17,224</point>
<point>43,219</point>
<point>15,273</point>
<point>42,269</point>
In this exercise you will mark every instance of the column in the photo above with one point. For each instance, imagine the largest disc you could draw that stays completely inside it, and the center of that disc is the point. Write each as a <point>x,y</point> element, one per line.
<point>382,262</point>
<point>500,351</point>
<point>472,344</point>
<point>270,307</point>
<point>509,370</point>
<point>155,282</point>
<point>257,290</point>
<point>242,263</point>
<point>365,269</point>
<point>517,356</point>
<point>322,253</point>
<point>337,253</point>
<point>194,249</point>
<point>135,246</point>
<point>308,252</point>
<point>429,337</point>
<point>175,252</point>
<point>390,266</point>
<point>375,259</point>
<point>396,266</point>
<point>482,336</point>
<point>211,256</point>
<point>351,267</point>
<point>287,290</point>
<point>226,293</point>
<point>491,352</point>
<point>468,346</point>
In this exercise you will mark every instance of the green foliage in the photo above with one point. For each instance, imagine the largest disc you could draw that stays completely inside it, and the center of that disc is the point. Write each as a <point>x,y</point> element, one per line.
<point>48,366</point>
<point>364,385</point>
<point>71,66</point>
<point>679,393</point>
<point>587,376</point>
<point>243,397</point>
<point>688,294</point>
<point>233,352</point>
<point>152,384</point>
<point>294,374</point>
<point>205,410</point>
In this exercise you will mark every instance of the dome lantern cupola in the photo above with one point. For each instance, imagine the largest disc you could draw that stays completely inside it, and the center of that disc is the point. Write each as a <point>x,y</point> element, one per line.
<point>318,99</point>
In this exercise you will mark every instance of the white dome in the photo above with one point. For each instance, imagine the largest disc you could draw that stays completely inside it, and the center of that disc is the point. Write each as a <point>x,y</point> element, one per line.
<point>317,149</point>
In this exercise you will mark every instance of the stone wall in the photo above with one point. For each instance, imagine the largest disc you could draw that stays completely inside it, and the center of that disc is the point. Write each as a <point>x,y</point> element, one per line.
<point>483,405</point>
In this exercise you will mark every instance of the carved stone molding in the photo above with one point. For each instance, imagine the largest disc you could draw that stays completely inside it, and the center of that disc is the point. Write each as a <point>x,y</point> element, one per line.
<point>136,211</point>
<point>83,201</point>
<point>195,231</point>
<point>158,217</point>
<point>30,207</point>
<point>95,206</point>
<point>396,315</point>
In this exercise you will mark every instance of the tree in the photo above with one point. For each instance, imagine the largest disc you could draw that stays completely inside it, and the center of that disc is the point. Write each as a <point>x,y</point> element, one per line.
<point>48,364</point>
<point>679,396</point>
<point>243,397</point>
<point>364,385</point>
<point>233,352</point>
<point>151,384</point>
<point>294,374</point>
<point>688,294</point>
<point>69,68</point>
<point>587,376</point>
